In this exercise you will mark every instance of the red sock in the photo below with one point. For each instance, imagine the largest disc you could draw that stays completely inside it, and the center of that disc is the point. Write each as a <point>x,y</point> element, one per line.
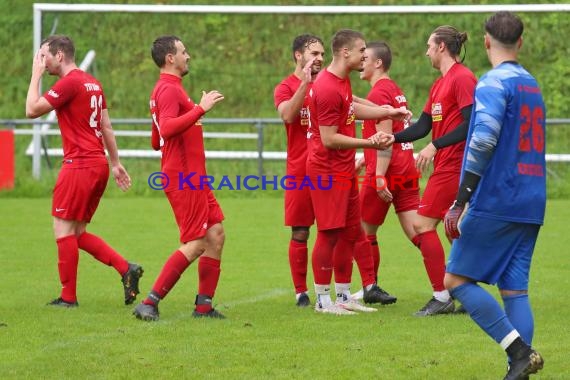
<point>375,250</point>
<point>434,257</point>
<point>342,260</point>
<point>169,275</point>
<point>68,259</point>
<point>298,257</point>
<point>208,276</point>
<point>322,257</point>
<point>101,251</point>
<point>365,261</point>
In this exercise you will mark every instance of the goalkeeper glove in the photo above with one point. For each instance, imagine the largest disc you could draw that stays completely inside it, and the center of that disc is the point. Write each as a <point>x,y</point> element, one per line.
<point>452,219</point>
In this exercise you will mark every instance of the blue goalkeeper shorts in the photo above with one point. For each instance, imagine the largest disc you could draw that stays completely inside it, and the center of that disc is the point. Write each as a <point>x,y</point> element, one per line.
<point>494,252</point>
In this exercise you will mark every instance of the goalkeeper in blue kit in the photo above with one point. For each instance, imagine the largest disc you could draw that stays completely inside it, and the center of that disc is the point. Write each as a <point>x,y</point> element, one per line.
<point>501,201</point>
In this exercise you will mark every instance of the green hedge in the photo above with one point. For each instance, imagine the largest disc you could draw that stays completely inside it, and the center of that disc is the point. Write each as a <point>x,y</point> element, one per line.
<point>245,56</point>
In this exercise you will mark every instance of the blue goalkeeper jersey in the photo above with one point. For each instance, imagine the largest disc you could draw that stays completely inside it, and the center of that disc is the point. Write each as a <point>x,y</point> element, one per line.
<point>506,146</point>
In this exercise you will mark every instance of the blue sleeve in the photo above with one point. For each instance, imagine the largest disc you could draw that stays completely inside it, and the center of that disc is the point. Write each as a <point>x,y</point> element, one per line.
<point>490,106</point>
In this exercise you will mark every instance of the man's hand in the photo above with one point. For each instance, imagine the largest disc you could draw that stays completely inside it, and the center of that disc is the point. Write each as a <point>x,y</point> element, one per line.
<point>401,113</point>
<point>121,176</point>
<point>382,140</point>
<point>209,99</point>
<point>359,164</point>
<point>453,219</point>
<point>425,156</point>
<point>382,189</point>
<point>38,65</point>
<point>307,72</point>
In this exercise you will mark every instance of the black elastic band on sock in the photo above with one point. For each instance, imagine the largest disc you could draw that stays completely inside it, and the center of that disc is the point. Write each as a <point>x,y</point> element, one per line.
<point>154,297</point>
<point>202,299</point>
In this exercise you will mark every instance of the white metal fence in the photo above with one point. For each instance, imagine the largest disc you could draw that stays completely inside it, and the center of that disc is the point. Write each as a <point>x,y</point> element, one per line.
<point>39,148</point>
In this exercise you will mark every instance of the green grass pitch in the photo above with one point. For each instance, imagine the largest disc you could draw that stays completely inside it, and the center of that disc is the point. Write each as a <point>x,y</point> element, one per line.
<point>265,335</point>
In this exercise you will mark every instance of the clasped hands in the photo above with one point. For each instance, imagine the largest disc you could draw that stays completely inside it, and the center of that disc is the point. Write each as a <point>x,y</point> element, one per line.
<point>382,140</point>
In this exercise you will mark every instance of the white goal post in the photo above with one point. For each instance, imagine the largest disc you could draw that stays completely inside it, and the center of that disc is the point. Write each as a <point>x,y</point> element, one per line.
<point>40,8</point>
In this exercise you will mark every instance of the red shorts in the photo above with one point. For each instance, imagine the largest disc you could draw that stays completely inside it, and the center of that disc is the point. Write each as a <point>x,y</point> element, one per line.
<point>298,207</point>
<point>78,191</point>
<point>439,194</point>
<point>374,209</point>
<point>335,205</point>
<point>195,211</point>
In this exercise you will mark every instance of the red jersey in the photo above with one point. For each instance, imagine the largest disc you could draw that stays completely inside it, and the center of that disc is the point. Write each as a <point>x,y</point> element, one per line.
<point>297,130</point>
<point>183,152</point>
<point>330,105</point>
<point>448,95</point>
<point>386,92</point>
<point>78,101</point>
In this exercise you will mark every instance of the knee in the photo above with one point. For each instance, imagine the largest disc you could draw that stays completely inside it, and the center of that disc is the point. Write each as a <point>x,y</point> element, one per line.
<point>215,238</point>
<point>451,281</point>
<point>218,238</point>
<point>63,228</point>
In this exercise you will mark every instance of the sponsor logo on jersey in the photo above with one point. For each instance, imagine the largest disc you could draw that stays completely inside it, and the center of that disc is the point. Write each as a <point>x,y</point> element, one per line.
<point>436,112</point>
<point>53,94</point>
<point>304,114</point>
<point>92,87</point>
<point>400,99</point>
<point>351,115</point>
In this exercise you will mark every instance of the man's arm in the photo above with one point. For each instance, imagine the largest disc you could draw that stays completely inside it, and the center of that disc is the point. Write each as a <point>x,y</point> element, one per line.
<point>36,105</point>
<point>289,109</point>
<point>364,101</point>
<point>176,125</point>
<point>415,131</point>
<point>487,125</point>
<point>458,134</point>
<point>383,158</point>
<point>331,139</point>
<point>120,174</point>
<point>366,112</point>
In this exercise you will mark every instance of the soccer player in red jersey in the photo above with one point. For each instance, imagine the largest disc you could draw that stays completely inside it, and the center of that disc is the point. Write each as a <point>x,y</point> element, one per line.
<point>446,113</point>
<point>86,131</point>
<point>177,132</point>
<point>391,175</point>
<point>330,165</point>
<point>291,98</point>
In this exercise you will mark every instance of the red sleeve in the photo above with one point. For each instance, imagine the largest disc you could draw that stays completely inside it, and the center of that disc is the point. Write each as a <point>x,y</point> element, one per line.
<point>61,92</point>
<point>170,123</point>
<point>155,138</point>
<point>281,94</point>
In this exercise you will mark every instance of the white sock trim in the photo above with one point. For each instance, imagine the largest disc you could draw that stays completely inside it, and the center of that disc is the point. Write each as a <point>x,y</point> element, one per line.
<point>442,296</point>
<point>506,342</point>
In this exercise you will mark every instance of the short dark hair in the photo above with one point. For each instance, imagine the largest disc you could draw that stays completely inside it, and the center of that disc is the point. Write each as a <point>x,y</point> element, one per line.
<point>302,42</point>
<point>451,37</point>
<point>505,27</point>
<point>161,47</point>
<point>381,51</point>
<point>58,42</point>
<point>345,38</point>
